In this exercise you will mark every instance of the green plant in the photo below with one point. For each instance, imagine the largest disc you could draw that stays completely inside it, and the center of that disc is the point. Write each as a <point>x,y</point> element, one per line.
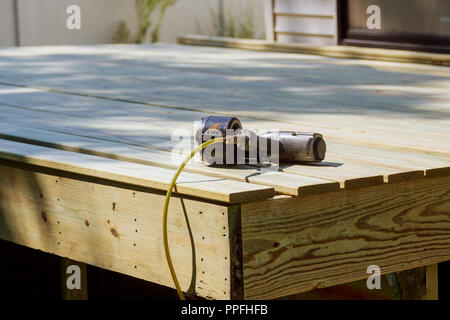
<point>122,34</point>
<point>248,25</point>
<point>146,11</point>
<point>235,26</point>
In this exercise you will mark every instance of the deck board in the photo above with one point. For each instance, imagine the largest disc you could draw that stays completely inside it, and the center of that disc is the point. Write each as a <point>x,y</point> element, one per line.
<point>381,120</point>
<point>86,158</point>
<point>196,185</point>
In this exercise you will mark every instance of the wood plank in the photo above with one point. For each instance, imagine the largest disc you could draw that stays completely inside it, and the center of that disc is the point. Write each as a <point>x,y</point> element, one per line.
<point>329,51</point>
<point>308,25</point>
<point>358,91</point>
<point>118,228</point>
<point>351,174</point>
<point>301,15</point>
<point>141,175</point>
<point>348,171</point>
<point>432,281</point>
<point>305,6</point>
<point>305,179</point>
<point>281,182</point>
<point>348,98</point>
<point>345,170</point>
<point>390,159</point>
<point>292,245</point>
<point>293,35</point>
<point>158,135</point>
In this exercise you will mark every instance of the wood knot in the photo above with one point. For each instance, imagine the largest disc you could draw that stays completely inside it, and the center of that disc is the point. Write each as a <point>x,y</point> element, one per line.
<point>44,216</point>
<point>114,233</point>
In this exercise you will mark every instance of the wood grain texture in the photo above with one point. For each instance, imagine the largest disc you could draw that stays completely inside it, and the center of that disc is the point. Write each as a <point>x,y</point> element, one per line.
<point>351,166</point>
<point>293,245</point>
<point>377,109</point>
<point>286,183</point>
<point>118,228</point>
<point>432,282</point>
<point>366,103</point>
<point>152,177</point>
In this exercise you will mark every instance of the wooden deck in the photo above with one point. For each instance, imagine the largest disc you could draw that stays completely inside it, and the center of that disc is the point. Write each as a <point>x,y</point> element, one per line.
<point>85,160</point>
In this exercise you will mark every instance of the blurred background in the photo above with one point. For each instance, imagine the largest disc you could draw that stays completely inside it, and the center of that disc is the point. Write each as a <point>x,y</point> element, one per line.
<point>408,24</point>
<point>39,22</point>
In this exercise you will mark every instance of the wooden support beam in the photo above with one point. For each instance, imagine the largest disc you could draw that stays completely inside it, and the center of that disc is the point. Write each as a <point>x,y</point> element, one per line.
<point>293,245</point>
<point>74,283</point>
<point>118,227</point>
<point>432,281</point>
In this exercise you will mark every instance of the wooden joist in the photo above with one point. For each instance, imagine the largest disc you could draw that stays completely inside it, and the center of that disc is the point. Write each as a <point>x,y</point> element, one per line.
<point>292,245</point>
<point>118,228</point>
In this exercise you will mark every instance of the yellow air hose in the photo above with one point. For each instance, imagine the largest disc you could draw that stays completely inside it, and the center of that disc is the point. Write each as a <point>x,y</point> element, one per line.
<point>166,208</point>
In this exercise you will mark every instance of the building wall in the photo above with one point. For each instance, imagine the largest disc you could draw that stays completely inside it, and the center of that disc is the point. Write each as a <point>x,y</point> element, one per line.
<point>200,16</point>
<point>7,36</point>
<point>43,22</point>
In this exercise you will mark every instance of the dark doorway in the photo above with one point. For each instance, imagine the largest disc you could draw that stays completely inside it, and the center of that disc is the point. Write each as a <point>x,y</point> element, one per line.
<point>422,25</point>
